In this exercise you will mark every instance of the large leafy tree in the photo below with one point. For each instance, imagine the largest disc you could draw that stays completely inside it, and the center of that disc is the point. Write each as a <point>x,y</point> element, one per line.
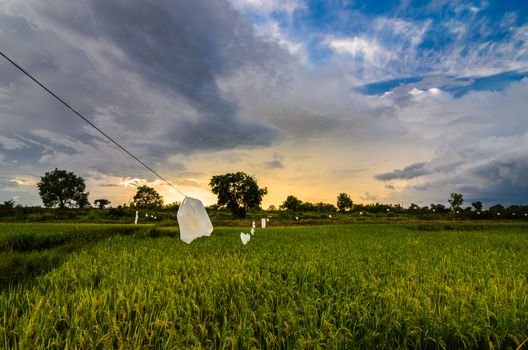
<point>237,191</point>
<point>344,202</point>
<point>61,188</point>
<point>147,197</point>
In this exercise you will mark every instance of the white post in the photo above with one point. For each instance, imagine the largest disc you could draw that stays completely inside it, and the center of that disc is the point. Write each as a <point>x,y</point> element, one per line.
<point>263,223</point>
<point>137,216</point>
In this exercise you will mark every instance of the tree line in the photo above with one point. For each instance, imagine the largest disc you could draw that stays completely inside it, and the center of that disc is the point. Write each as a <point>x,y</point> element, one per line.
<point>239,192</point>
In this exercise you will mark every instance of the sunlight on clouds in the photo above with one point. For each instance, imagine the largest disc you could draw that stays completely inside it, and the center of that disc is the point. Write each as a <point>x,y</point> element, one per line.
<point>25,181</point>
<point>270,88</point>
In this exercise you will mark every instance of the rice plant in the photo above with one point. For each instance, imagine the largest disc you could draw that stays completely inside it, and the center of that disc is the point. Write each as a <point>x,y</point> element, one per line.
<point>357,286</point>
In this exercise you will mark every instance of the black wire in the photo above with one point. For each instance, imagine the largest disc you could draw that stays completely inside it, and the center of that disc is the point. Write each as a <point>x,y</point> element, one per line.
<point>89,122</point>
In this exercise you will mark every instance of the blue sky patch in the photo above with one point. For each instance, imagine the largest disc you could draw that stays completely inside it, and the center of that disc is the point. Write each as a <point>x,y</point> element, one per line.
<point>455,86</point>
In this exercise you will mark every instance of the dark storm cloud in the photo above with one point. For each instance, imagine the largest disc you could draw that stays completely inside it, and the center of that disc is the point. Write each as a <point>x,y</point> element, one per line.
<point>148,73</point>
<point>409,172</point>
<point>503,180</point>
<point>180,48</point>
<point>89,52</point>
<point>499,179</point>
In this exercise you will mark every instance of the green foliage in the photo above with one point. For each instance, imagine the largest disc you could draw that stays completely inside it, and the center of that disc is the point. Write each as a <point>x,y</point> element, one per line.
<point>101,203</point>
<point>291,203</point>
<point>477,205</point>
<point>60,188</point>
<point>334,287</point>
<point>456,200</point>
<point>27,250</point>
<point>9,204</point>
<point>344,202</point>
<point>319,207</point>
<point>174,206</point>
<point>238,192</point>
<point>439,208</point>
<point>497,208</point>
<point>147,197</point>
<point>32,237</point>
<point>82,200</point>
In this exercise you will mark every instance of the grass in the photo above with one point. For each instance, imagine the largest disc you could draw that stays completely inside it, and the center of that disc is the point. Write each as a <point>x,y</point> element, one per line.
<point>356,286</point>
<point>28,250</point>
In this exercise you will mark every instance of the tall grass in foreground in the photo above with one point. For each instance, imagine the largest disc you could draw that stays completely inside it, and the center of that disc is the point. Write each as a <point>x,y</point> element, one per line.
<point>363,286</point>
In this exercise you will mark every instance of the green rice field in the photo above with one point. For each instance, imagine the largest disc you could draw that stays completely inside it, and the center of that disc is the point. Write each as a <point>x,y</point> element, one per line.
<point>379,286</point>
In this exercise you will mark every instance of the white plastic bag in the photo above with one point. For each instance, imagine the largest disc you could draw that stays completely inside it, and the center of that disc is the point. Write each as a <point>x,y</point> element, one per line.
<point>193,220</point>
<point>245,237</point>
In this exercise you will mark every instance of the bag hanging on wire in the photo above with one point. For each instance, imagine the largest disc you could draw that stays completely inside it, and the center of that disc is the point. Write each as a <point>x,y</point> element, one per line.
<point>193,220</point>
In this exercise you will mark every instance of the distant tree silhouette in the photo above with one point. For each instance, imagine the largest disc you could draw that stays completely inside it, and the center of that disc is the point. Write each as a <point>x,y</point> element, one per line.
<point>456,200</point>
<point>344,202</point>
<point>291,203</point>
<point>477,205</point>
<point>101,203</point>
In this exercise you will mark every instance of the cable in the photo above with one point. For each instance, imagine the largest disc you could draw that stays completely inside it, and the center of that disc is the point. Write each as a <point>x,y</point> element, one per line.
<point>89,122</point>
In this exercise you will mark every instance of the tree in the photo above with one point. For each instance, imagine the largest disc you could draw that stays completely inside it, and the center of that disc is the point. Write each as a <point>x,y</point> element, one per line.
<point>237,191</point>
<point>414,206</point>
<point>60,188</point>
<point>456,200</point>
<point>324,207</point>
<point>101,203</point>
<point>147,197</point>
<point>291,203</point>
<point>477,205</point>
<point>344,202</point>
<point>439,208</point>
<point>497,208</point>
<point>172,206</point>
<point>10,204</point>
<point>82,200</point>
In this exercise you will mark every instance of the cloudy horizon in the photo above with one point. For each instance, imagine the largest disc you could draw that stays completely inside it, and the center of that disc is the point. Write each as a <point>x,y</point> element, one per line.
<point>392,102</point>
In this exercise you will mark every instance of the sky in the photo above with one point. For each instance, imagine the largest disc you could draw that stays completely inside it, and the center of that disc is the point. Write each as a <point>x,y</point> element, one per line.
<point>388,101</point>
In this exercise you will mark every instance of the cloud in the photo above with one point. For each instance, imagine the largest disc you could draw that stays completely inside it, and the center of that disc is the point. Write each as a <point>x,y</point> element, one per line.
<point>480,142</point>
<point>25,181</point>
<point>267,7</point>
<point>408,103</point>
<point>489,170</point>
<point>370,51</point>
<point>274,164</point>
<point>157,57</point>
<point>148,73</point>
<point>409,172</point>
<point>368,197</point>
<point>11,143</point>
